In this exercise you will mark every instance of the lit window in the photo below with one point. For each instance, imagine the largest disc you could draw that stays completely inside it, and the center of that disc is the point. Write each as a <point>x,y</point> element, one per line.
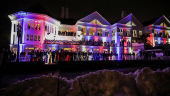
<point>32,25</point>
<point>99,32</point>
<point>121,32</point>
<point>166,34</point>
<point>28,25</point>
<point>128,33</point>
<point>31,37</point>
<point>83,30</point>
<point>113,32</point>
<point>35,37</point>
<point>134,33</point>
<point>35,26</point>
<point>39,25</point>
<point>91,31</point>
<point>38,37</point>
<point>28,37</point>
<point>140,33</point>
<point>155,33</point>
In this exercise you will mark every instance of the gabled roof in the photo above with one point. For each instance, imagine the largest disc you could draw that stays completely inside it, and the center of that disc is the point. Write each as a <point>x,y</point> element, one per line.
<point>158,21</point>
<point>38,8</point>
<point>132,18</point>
<point>95,15</point>
<point>149,22</point>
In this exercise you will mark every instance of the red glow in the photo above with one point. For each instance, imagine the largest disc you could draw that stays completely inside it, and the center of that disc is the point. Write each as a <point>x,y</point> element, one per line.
<point>164,40</point>
<point>150,39</point>
<point>96,38</point>
<point>125,49</point>
<point>100,48</point>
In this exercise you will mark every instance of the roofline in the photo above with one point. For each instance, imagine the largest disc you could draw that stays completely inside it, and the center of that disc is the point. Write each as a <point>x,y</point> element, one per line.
<point>131,18</point>
<point>93,13</point>
<point>29,13</point>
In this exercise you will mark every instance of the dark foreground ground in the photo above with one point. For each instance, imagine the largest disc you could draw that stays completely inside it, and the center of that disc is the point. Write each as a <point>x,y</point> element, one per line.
<point>14,72</point>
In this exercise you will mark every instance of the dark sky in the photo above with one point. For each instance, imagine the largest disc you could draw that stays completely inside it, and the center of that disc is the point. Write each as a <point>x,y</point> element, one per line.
<point>111,10</point>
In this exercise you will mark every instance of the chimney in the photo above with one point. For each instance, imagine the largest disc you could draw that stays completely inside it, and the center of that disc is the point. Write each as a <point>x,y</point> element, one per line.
<point>62,12</point>
<point>67,14</point>
<point>123,14</point>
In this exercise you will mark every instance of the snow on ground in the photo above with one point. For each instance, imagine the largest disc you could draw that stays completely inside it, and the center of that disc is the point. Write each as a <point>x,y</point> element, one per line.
<point>145,82</point>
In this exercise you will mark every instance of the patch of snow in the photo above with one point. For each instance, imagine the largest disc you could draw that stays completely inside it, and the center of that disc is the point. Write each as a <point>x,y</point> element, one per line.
<point>145,82</point>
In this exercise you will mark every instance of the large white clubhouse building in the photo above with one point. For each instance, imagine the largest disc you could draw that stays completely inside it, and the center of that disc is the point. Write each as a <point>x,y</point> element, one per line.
<point>91,33</point>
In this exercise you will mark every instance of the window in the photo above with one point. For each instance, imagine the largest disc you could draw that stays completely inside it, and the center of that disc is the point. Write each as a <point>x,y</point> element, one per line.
<point>83,30</point>
<point>45,27</point>
<point>107,33</point>
<point>38,37</point>
<point>35,25</point>
<point>99,32</point>
<point>31,37</point>
<point>128,33</point>
<point>28,26</point>
<point>91,31</point>
<point>13,38</point>
<point>166,34</point>
<point>35,37</point>
<point>52,29</point>
<point>28,36</point>
<point>134,33</point>
<point>121,32</point>
<point>155,33</point>
<point>113,32</point>
<point>32,25</point>
<point>39,26</point>
<point>140,33</point>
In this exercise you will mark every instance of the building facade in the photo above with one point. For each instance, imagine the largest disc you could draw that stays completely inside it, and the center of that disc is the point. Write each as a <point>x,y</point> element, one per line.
<point>91,33</point>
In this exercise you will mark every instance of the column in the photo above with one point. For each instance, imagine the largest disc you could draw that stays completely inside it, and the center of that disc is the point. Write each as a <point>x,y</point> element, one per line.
<point>96,31</point>
<point>87,31</point>
<point>103,32</point>
<point>124,32</point>
<point>23,31</point>
<point>12,32</point>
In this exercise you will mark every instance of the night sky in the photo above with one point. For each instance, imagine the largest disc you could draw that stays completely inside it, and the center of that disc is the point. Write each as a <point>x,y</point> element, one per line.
<point>111,10</point>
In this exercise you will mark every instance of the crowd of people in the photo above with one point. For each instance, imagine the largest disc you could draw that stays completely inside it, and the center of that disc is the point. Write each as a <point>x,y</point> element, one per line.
<point>50,57</point>
<point>64,55</point>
